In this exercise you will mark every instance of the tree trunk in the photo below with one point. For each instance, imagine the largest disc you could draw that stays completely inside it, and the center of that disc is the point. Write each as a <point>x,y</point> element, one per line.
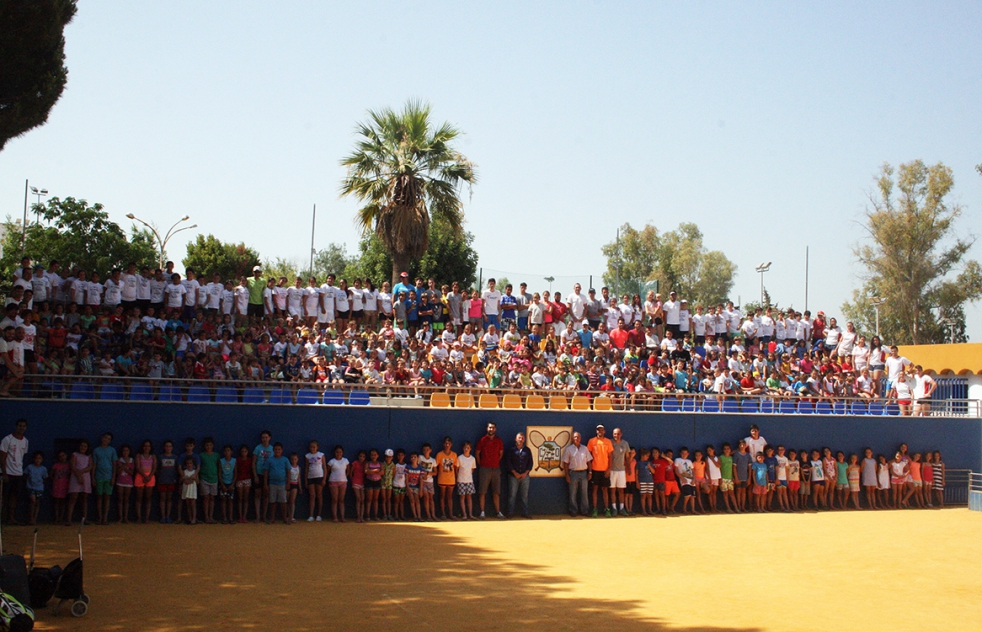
<point>400,264</point>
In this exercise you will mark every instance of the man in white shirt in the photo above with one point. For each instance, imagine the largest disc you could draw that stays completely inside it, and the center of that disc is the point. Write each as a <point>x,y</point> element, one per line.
<point>576,467</point>
<point>114,291</point>
<point>191,296</point>
<point>755,442</point>
<point>175,293</point>
<point>157,285</point>
<point>13,448</point>
<point>93,292</point>
<point>576,303</point>
<point>213,294</point>
<point>40,285</point>
<point>327,310</point>
<point>672,307</point>
<point>129,283</point>
<point>895,365</point>
<point>490,300</point>
<point>143,289</point>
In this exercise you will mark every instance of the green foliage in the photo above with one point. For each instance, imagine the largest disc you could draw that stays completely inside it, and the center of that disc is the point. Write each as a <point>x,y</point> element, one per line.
<point>449,257</point>
<point>406,174</point>
<point>75,233</point>
<point>914,259</point>
<point>32,62</point>
<point>209,255</point>
<point>677,260</point>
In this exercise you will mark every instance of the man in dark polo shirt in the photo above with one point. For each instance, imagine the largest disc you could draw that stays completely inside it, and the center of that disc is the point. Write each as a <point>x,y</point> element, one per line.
<point>519,465</point>
<point>490,448</point>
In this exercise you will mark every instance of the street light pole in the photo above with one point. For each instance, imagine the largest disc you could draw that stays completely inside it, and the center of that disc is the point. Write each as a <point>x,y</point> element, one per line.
<point>162,243</point>
<point>23,226</point>
<point>876,301</point>
<point>762,268</point>
<point>549,279</point>
<point>39,193</point>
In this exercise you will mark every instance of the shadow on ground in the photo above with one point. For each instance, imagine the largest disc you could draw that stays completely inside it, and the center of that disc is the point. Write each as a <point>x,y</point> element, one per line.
<point>319,577</point>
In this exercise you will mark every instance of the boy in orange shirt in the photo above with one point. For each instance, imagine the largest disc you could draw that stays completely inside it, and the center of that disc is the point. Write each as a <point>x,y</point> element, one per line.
<point>446,477</point>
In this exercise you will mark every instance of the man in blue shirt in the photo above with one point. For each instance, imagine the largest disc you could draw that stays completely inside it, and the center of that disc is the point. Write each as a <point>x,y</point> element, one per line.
<point>260,462</point>
<point>518,461</point>
<point>277,474</point>
<point>403,285</point>
<point>508,307</point>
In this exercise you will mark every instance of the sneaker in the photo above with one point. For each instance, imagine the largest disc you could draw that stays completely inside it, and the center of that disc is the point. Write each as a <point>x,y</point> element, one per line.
<point>318,519</point>
<point>482,515</point>
<point>594,514</point>
<point>501,516</point>
<point>310,519</point>
<point>607,513</point>
<point>623,512</point>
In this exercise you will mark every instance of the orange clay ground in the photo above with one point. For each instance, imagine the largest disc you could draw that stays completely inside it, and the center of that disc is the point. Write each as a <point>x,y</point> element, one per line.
<point>891,570</point>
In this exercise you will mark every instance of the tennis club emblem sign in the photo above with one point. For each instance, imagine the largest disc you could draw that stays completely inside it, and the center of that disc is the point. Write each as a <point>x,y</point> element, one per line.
<point>547,444</point>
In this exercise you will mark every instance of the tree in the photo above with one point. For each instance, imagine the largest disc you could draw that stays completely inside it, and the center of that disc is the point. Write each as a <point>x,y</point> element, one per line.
<point>209,255</point>
<point>77,234</point>
<point>32,62</point>
<point>914,258</point>
<point>406,174</point>
<point>449,257</point>
<point>677,260</point>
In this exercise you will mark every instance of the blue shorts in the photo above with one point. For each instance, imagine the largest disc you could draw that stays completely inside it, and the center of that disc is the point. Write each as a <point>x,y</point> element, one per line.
<point>782,483</point>
<point>523,323</point>
<point>491,319</point>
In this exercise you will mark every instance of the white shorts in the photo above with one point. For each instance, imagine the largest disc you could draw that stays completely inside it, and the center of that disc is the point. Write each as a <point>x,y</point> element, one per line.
<point>618,479</point>
<point>325,317</point>
<point>296,312</point>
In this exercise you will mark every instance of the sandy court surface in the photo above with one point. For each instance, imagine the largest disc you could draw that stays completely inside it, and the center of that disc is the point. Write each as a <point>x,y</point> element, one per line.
<point>907,570</point>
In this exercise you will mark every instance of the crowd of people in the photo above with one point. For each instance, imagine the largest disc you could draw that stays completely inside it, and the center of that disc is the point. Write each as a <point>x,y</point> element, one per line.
<point>158,324</point>
<point>605,477</point>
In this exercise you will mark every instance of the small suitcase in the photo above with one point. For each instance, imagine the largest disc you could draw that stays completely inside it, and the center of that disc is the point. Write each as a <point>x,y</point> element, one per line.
<point>42,582</point>
<point>13,577</point>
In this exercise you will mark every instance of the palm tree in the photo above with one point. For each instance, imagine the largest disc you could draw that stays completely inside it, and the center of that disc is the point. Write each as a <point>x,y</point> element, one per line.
<point>405,172</point>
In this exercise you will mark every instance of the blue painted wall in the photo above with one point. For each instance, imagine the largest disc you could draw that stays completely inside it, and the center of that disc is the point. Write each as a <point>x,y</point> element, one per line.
<point>960,440</point>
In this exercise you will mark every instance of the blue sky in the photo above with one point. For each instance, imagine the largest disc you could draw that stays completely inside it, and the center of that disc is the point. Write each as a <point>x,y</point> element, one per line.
<point>762,122</point>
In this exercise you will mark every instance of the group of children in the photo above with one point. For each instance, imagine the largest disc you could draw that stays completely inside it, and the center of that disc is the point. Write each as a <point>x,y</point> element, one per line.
<point>762,477</point>
<point>755,477</point>
<point>380,483</point>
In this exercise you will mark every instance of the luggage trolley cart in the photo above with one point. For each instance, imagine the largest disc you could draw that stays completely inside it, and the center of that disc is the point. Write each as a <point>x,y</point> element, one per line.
<point>63,585</point>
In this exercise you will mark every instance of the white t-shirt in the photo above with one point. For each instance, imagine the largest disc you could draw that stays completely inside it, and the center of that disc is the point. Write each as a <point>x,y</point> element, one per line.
<point>385,302</point>
<point>113,293</point>
<point>756,446</point>
<point>491,300</point>
<point>921,385</point>
<point>895,366</point>
<point>228,301</point>
<point>294,299</point>
<point>577,305</point>
<point>143,288</point>
<point>357,299</point>
<point>130,284</point>
<point>465,471</point>
<point>214,292</point>
<point>15,449</point>
<point>241,299</point>
<point>175,295</point>
<point>191,296</point>
<point>371,300</point>
<point>671,309</point>
<point>315,465</point>
<point>157,291</point>
<point>311,299</point>
<point>339,470</point>
<point>93,293</point>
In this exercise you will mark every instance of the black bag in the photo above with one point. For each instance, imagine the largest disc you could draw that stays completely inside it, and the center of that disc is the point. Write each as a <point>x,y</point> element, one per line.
<point>13,577</point>
<point>42,582</point>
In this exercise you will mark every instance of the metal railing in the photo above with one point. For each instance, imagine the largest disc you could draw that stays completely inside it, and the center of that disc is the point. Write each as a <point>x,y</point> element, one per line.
<point>133,389</point>
<point>975,491</point>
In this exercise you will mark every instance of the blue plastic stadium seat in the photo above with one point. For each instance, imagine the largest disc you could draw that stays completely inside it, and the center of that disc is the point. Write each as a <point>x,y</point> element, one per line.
<point>670,404</point>
<point>749,406</point>
<point>111,391</point>
<point>280,396</point>
<point>731,406</point>
<point>333,397</point>
<point>767,406</point>
<point>839,408</point>
<point>858,408</point>
<point>253,396</point>
<point>823,408</point>
<point>892,409</point>
<point>169,393</point>
<point>710,405</point>
<point>141,393</point>
<point>82,390</point>
<point>359,398</point>
<point>52,389</point>
<point>199,394</point>
<point>805,408</point>
<point>787,407</point>
<point>227,394</point>
<point>876,408</point>
<point>308,396</point>
<point>688,404</point>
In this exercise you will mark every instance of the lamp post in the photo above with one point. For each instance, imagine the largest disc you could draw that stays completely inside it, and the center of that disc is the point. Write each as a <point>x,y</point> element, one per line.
<point>762,268</point>
<point>549,279</point>
<point>162,243</point>
<point>876,301</point>
<point>39,193</point>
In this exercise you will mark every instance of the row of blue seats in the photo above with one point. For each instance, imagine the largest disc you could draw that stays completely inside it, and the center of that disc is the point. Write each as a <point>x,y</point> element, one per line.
<point>784,406</point>
<point>201,394</point>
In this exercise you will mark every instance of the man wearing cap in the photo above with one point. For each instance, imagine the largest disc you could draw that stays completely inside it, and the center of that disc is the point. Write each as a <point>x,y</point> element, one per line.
<point>490,449</point>
<point>403,285</point>
<point>257,285</point>
<point>594,310</point>
<point>672,308</point>
<point>600,448</point>
<point>576,467</point>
